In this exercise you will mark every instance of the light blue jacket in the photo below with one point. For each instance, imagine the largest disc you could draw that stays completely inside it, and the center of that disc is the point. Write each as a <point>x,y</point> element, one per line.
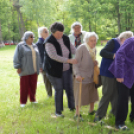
<point>23,59</point>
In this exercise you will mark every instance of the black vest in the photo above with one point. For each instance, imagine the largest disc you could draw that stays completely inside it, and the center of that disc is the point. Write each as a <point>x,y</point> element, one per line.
<point>51,66</point>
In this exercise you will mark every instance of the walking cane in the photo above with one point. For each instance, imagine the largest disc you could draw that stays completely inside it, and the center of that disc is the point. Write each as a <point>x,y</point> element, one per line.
<point>79,103</point>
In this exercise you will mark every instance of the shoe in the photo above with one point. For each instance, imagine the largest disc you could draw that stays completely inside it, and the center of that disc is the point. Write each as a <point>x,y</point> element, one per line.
<point>34,102</point>
<point>80,119</point>
<point>59,115</point>
<point>97,118</point>
<point>22,105</point>
<point>91,113</point>
<point>122,127</point>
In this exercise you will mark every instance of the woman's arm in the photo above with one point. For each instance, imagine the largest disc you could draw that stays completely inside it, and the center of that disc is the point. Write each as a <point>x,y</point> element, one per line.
<point>17,58</point>
<point>120,64</point>
<point>51,51</point>
<point>106,52</point>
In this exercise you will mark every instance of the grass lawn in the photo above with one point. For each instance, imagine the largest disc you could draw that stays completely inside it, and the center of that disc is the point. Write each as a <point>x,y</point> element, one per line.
<point>39,118</point>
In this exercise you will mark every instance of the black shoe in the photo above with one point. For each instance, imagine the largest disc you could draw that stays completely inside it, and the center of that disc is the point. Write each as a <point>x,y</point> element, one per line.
<point>76,118</point>
<point>122,127</point>
<point>91,113</point>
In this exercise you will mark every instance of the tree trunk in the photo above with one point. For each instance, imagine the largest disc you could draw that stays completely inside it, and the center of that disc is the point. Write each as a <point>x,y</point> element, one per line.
<point>1,40</point>
<point>118,12</point>
<point>23,29</point>
<point>21,24</point>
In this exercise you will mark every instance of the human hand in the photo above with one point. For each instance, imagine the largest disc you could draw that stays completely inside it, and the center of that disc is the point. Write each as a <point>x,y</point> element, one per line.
<point>41,70</point>
<point>19,70</point>
<point>114,56</point>
<point>95,63</point>
<point>79,78</point>
<point>120,80</point>
<point>72,61</point>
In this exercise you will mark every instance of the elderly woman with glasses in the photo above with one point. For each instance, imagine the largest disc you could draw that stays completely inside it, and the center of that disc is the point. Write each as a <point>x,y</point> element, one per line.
<point>86,57</point>
<point>57,65</point>
<point>27,62</point>
<point>43,33</point>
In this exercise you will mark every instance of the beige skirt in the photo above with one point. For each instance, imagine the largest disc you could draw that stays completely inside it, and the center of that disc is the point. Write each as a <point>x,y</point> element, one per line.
<point>89,93</point>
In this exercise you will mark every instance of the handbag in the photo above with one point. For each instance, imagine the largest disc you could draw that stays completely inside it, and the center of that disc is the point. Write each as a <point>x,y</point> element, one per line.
<point>100,82</point>
<point>97,77</point>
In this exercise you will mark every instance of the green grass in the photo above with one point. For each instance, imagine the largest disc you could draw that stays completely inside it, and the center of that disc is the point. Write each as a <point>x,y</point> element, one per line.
<point>39,118</point>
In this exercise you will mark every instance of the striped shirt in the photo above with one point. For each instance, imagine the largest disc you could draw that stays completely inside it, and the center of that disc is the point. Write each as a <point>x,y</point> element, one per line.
<point>51,51</point>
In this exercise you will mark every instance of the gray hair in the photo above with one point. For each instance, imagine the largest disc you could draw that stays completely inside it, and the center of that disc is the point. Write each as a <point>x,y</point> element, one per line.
<point>40,30</point>
<point>75,24</point>
<point>125,35</point>
<point>26,35</point>
<point>88,35</point>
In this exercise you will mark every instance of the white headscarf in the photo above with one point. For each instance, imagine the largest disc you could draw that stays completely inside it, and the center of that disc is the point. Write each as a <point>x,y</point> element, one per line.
<point>92,51</point>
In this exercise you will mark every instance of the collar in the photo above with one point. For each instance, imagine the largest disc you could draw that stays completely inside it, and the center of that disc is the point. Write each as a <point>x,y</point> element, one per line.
<point>42,39</point>
<point>77,35</point>
<point>27,44</point>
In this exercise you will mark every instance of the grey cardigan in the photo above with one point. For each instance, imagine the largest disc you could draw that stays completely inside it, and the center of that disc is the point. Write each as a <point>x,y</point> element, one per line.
<point>85,65</point>
<point>23,59</point>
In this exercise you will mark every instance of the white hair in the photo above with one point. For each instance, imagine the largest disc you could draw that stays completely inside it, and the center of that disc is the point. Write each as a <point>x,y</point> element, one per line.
<point>40,30</point>
<point>88,35</point>
<point>125,35</point>
<point>26,35</point>
<point>75,24</point>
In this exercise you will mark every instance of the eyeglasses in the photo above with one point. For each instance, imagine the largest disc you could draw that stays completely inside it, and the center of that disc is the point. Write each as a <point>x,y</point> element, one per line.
<point>45,32</point>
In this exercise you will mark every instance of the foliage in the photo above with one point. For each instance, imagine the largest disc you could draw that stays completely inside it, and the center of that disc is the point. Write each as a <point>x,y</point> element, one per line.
<point>106,17</point>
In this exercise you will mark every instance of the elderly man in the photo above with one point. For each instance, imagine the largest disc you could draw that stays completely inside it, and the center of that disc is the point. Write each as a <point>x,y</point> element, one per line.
<point>77,35</point>
<point>43,34</point>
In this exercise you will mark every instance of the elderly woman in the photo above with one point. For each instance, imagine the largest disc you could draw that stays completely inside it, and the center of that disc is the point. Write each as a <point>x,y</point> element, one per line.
<point>27,62</point>
<point>43,33</point>
<point>123,70</point>
<point>85,55</point>
<point>77,35</point>
<point>57,65</point>
<point>109,89</point>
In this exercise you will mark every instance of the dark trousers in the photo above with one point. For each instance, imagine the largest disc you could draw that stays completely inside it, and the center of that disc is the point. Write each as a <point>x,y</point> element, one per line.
<point>28,85</point>
<point>122,104</point>
<point>47,84</point>
<point>65,82</point>
<point>109,95</point>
